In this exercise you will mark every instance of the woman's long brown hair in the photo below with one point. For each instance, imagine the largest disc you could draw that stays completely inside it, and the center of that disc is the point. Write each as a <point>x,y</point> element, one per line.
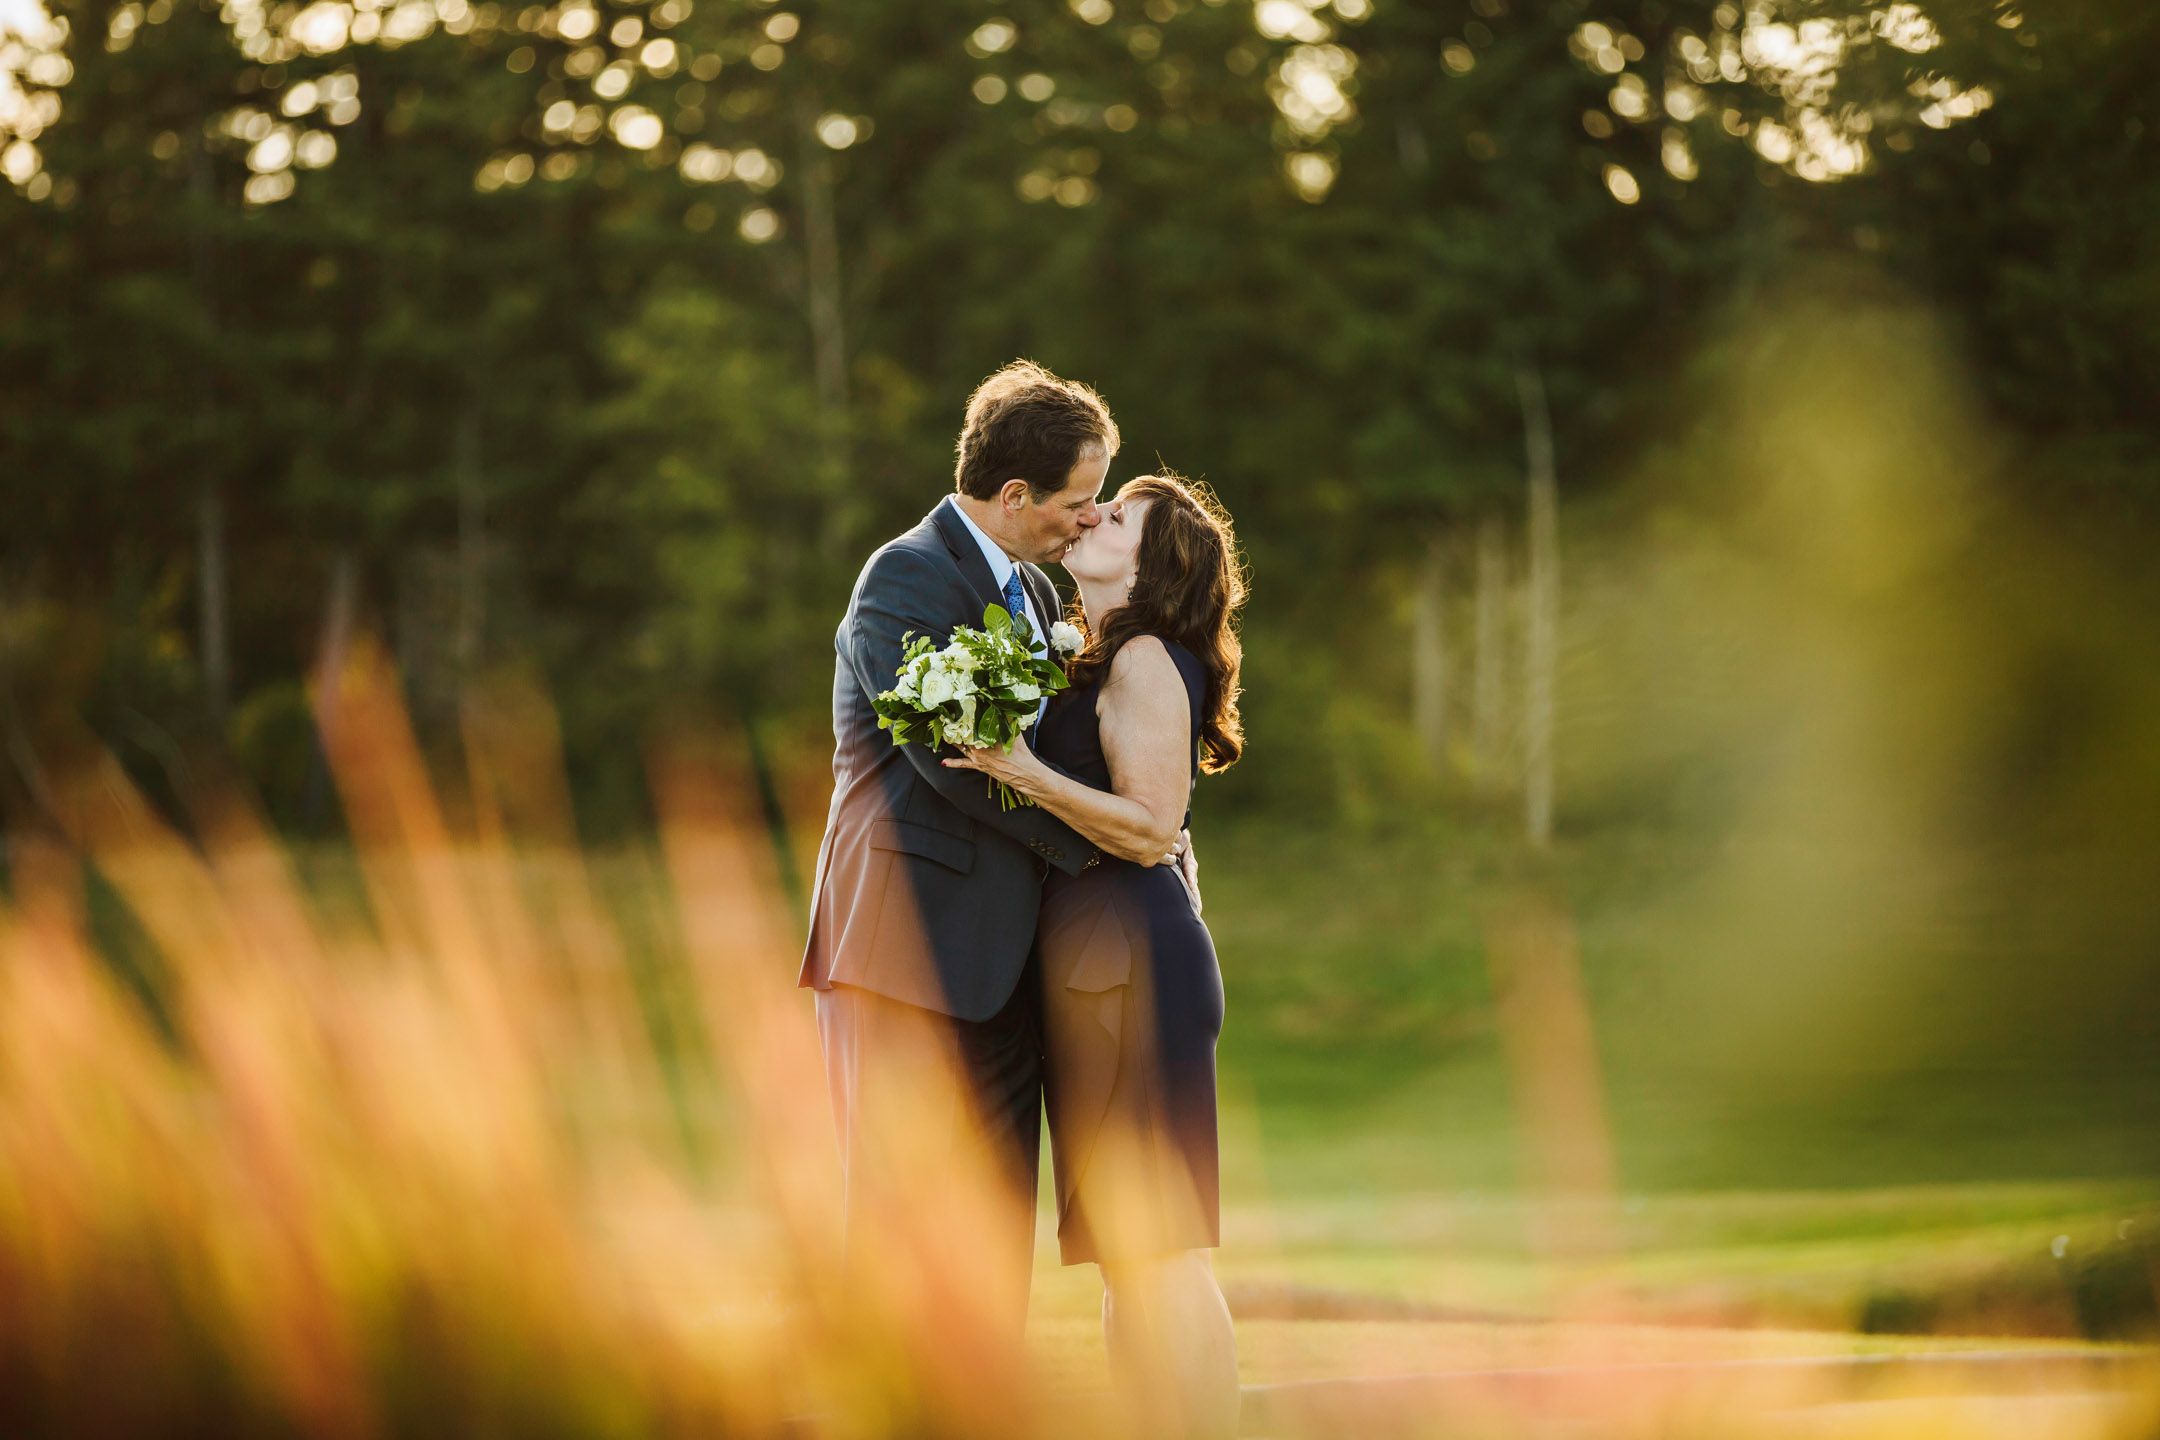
<point>1189,586</point>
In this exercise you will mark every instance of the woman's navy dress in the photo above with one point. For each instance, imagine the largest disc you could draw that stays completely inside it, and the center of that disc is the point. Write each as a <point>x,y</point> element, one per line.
<point>1133,1004</point>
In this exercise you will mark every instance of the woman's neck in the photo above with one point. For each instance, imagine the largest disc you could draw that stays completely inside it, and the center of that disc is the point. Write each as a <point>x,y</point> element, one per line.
<point>1097,599</point>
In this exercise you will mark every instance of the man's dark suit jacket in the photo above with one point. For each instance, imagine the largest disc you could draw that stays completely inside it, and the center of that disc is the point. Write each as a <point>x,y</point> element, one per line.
<point>926,890</point>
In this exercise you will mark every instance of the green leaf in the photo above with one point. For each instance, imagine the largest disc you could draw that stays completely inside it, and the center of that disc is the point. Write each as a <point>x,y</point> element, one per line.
<point>997,620</point>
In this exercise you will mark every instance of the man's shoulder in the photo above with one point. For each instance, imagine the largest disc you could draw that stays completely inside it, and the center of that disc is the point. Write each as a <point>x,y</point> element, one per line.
<point>918,551</point>
<point>916,557</point>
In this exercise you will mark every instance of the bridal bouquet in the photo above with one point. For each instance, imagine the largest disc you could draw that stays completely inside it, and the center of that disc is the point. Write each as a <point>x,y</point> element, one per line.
<point>980,689</point>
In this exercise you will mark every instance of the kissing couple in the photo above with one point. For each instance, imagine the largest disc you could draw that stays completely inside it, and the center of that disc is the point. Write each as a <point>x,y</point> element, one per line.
<point>974,965</point>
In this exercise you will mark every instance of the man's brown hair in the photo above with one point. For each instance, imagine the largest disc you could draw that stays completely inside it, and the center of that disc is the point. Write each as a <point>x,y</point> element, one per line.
<point>1024,423</point>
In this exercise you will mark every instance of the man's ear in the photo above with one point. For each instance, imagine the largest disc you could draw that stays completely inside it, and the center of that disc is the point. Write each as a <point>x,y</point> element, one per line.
<point>1012,495</point>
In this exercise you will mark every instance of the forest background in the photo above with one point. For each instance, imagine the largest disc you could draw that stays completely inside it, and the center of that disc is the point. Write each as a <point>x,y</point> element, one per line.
<point>1598,388</point>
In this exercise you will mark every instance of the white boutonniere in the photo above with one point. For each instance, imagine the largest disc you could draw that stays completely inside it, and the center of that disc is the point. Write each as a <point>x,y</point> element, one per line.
<point>1065,637</point>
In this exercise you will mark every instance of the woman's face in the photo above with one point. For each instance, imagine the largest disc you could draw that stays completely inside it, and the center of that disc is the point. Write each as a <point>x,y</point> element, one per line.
<point>1109,554</point>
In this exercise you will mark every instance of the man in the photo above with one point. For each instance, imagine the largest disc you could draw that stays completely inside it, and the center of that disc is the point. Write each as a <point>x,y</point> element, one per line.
<point>922,918</point>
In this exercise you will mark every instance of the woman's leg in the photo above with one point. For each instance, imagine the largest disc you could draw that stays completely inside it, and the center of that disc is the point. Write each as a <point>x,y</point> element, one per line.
<point>1172,1349</point>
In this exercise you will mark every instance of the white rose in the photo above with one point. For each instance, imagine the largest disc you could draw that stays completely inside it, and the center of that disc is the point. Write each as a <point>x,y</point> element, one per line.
<point>1065,637</point>
<point>937,687</point>
<point>959,659</point>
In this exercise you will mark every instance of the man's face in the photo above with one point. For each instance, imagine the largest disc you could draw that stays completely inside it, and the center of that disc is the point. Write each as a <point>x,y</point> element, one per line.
<point>1046,528</point>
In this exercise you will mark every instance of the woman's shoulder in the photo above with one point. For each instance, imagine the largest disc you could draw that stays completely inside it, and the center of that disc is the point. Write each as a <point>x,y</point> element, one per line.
<point>1157,657</point>
<point>1152,649</point>
<point>1147,651</point>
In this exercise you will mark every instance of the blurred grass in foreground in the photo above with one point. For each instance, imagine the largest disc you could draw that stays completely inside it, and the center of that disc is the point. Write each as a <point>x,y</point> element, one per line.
<point>430,1139</point>
<point>436,1145</point>
<point>456,1132</point>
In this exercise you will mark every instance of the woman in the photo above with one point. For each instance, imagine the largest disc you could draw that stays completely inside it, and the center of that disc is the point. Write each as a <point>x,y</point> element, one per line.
<point>1132,995</point>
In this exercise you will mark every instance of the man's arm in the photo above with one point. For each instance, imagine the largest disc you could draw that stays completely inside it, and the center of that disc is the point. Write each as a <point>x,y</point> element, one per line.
<point>893,602</point>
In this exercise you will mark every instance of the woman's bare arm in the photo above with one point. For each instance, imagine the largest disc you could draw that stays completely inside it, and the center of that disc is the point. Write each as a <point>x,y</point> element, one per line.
<point>1146,722</point>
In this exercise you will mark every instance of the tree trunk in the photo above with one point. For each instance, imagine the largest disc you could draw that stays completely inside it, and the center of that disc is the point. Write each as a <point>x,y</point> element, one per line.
<point>340,602</point>
<point>1541,648</point>
<point>1488,694</point>
<point>821,244</point>
<point>1428,655</point>
<point>210,567</point>
<point>209,500</point>
<point>472,544</point>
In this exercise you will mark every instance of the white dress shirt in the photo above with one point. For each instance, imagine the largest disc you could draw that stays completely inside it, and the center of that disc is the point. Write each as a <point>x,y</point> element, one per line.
<point>1001,570</point>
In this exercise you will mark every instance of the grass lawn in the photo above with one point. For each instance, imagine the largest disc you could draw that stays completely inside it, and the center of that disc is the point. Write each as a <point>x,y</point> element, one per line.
<point>1362,1044</point>
<point>1780,1204</point>
<point>1407,1285</point>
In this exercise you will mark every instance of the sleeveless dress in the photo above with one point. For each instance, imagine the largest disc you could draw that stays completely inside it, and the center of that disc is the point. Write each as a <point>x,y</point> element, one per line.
<point>1132,1008</point>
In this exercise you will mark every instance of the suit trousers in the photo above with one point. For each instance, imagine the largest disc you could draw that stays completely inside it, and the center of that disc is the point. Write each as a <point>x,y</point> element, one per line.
<point>940,1126</point>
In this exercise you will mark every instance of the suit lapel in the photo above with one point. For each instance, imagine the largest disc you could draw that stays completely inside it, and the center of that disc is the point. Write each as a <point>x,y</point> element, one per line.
<point>945,519</point>
<point>953,530</point>
<point>968,555</point>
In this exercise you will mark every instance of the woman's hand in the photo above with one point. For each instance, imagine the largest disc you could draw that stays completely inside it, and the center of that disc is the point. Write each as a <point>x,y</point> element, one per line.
<point>1021,768</point>
<point>1016,765</point>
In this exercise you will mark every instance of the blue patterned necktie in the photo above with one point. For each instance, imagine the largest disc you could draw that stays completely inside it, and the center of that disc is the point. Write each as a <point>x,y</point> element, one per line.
<point>1015,603</point>
<point>1016,606</point>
